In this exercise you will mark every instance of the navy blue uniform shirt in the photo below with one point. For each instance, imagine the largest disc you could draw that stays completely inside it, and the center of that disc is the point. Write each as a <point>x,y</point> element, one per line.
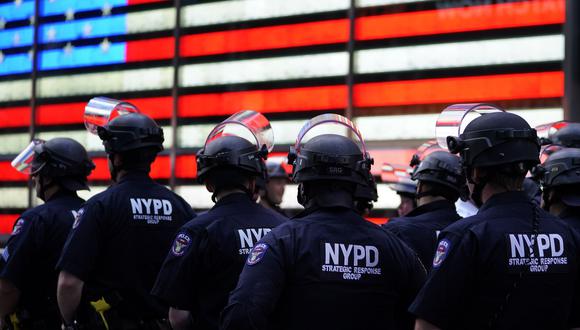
<point>32,252</point>
<point>208,254</point>
<point>572,217</point>
<point>120,240</point>
<point>330,269</point>
<point>485,275</point>
<point>419,228</point>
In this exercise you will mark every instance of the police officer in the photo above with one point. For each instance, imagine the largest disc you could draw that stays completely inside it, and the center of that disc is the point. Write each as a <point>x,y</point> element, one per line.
<point>208,253</point>
<point>560,177</point>
<point>329,269</point>
<point>440,183</point>
<point>121,236</point>
<point>496,270</point>
<point>272,189</point>
<point>59,168</point>
<point>567,136</point>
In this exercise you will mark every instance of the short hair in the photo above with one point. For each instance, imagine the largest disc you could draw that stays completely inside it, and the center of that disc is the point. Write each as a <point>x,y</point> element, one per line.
<point>437,189</point>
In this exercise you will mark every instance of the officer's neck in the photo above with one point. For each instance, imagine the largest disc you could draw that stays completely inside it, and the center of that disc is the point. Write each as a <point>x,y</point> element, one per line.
<point>50,192</point>
<point>492,189</point>
<point>557,208</point>
<point>424,200</point>
<point>227,192</point>
<point>265,203</point>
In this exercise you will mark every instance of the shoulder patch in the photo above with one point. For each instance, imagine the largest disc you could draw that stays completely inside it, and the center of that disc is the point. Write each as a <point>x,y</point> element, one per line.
<point>257,254</point>
<point>77,215</point>
<point>180,244</point>
<point>18,227</point>
<point>441,252</point>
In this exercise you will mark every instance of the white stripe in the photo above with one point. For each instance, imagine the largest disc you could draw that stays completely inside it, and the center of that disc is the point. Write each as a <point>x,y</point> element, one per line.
<point>199,198</point>
<point>14,197</point>
<point>14,143</point>
<point>16,90</point>
<point>151,20</point>
<point>461,54</point>
<point>106,82</point>
<point>246,10</point>
<point>422,127</point>
<point>268,69</point>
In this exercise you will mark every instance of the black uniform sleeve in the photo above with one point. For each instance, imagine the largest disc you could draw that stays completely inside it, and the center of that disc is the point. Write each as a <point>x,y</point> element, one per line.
<point>20,251</point>
<point>574,320</point>
<point>414,275</point>
<point>259,287</point>
<point>449,283</point>
<point>183,269</point>
<point>80,252</point>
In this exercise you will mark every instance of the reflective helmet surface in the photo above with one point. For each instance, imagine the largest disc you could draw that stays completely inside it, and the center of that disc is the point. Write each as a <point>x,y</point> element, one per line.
<point>567,136</point>
<point>129,132</point>
<point>496,139</point>
<point>441,167</point>
<point>275,168</point>
<point>331,157</point>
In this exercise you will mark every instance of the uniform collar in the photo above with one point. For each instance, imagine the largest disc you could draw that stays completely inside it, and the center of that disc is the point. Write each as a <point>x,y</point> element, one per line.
<point>232,199</point>
<point>62,194</point>
<point>433,206</point>
<point>570,213</point>
<point>508,197</point>
<point>135,176</point>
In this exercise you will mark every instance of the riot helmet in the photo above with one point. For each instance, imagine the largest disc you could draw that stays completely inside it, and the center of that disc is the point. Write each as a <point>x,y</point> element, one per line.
<point>61,158</point>
<point>236,149</point>
<point>398,178</point>
<point>568,136</point>
<point>561,171</point>
<point>329,156</point>
<point>275,168</point>
<point>444,169</point>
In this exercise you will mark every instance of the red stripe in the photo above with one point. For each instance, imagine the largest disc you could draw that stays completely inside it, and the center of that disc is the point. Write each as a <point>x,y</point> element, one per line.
<point>459,90</point>
<point>185,168</point>
<point>138,2</point>
<point>150,49</point>
<point>8,173</point>
<point>378,221</point>
<point>14,117</point>
<point>276,100</point>
<point>272,37</point>
<point>7,223</point>
<point>476,18</point>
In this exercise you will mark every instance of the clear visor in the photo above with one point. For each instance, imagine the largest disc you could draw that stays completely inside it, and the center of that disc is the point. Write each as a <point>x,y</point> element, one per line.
<point>101,110</point>
<point>428,148</point>
<point>391,173</point>
<point>546,131</point>
<point>330,123</point>
<point>23,162</point>
<point>453,120</point>
<point>247,124</point>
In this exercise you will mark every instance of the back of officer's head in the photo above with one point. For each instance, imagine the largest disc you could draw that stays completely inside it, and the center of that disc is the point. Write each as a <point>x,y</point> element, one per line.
<point>223,164</point>
<point>132,141</point>
<point>502,146</point>
<point>560,178</point>
<point>63,162</point>
<point>329,165</point>
<point>440,174</point>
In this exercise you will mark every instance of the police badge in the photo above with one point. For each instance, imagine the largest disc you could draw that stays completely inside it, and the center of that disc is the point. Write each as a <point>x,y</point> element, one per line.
<point>180,244</point>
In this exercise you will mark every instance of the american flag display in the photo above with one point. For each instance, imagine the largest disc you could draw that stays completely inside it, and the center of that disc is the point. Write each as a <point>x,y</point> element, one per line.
<point>200,61</point>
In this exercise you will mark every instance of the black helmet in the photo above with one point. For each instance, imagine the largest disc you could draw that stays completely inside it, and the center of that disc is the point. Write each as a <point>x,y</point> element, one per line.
<point>231,152</point>
<point>562,170</point>
<point>129,132</point>
<point>275,168</point>
<point>496,139</point>
<point>62,158</point>
<point>440,167</point>
<point>330,157</point>
<point>567,136</point>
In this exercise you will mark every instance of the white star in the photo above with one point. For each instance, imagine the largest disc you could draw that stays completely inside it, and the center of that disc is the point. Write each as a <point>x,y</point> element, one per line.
<point>68,49</point>
<point>17,2</point>
<point>106,9</point>
<point>16,38</point>
<point>51,34</point>
<point>30,54</point>
<point>105,45</point>
<point>2,23</point>
<point>70,14</point>
<point>31,20</point>
<point>1,57</point>
<point>87,29</point>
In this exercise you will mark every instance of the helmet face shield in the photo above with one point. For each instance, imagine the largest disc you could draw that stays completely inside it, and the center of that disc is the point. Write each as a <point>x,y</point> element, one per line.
<point>101,110</point>
<point>329,123</point>
<point>24,162</point>
<point>247,124</point>
<point>453,120</point>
